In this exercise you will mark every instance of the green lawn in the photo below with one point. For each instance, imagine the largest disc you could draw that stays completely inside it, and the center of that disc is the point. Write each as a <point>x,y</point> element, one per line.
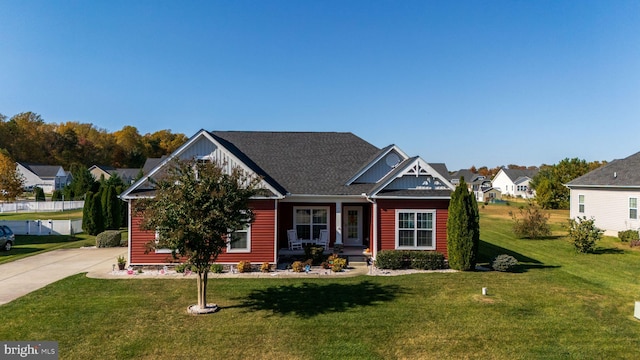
<point>560,305</point>
<point>28,245</point>
<point>50,215</point>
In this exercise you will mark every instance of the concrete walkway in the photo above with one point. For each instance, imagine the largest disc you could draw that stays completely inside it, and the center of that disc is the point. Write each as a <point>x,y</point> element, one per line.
<point>23,276</point>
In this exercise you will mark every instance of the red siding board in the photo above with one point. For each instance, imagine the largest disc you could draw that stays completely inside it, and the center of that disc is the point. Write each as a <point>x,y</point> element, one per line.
<point>387,218</point>
<point>262,240</point>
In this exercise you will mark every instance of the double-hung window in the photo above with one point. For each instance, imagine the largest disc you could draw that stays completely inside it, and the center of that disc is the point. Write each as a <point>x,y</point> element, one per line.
<point>241,240</point>
<point>581,204</point>
<point>633,208</point>
<point>308,221</point>
<point>415,229</point>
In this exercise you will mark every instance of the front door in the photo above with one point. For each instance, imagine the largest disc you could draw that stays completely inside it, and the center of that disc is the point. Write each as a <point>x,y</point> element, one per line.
<point>352,226</point>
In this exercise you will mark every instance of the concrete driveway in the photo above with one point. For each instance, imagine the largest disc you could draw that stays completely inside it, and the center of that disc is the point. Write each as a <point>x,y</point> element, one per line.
<point>23,276</point>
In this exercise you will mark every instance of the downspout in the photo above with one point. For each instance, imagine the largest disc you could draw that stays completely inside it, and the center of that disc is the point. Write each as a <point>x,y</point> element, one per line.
<point>374,237</point>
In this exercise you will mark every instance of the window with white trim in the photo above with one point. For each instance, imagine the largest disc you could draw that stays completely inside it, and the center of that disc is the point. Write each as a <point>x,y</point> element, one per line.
<point>160,250</point>
<point>415,229</point>
<point>242,242</point>
<point>581,204</point>
<point>633,208</point>
<point>308,221</point>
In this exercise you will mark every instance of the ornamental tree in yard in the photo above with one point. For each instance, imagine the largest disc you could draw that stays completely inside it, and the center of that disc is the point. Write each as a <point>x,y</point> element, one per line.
<point>463,229</point>
<point>196,211</point>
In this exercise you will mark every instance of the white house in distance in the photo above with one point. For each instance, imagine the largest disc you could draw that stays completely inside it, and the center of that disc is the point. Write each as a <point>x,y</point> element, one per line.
<point>46,177</point>
<point>609,195</point>
<point>515,182</point>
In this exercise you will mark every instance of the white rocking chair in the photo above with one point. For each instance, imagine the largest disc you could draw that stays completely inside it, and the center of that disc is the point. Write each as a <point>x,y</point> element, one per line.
<point>324,239</point>
<point>294,242</point>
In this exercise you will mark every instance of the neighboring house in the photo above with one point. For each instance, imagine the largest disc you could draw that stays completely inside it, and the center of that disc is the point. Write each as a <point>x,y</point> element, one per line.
<point>47,177</point>
<point>515,182</point>
<point>127,175</point>
<point>609,195</point>
<point>478,184</point>
<point>364,196</point>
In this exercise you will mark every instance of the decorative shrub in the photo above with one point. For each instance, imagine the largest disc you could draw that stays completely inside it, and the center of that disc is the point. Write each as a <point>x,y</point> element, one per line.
<point>217,268</point>
<point>244,266</point>
<point>181,268</point>
<point>265,267</point>
<point>297,266</point>
<point>390,259</point>
<point>628,235</point>
<point>532,222</point>
<point>109,238</point>
<point>314,253</point>
<point>584,234</point>
<point>338,264</point>
<point>504,262</point>
<point>426,260</point>
<point>404,259</point>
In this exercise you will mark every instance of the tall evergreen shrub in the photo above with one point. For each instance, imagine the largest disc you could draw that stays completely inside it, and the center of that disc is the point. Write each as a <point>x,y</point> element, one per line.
<point>96,214</point>
<point>87,219</point>
<point>39,193</point>
<point>463,229</point>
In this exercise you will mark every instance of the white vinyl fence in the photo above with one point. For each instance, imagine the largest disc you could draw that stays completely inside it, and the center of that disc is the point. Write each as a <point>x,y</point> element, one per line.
<point>44,227</point>
<point>40,206</point>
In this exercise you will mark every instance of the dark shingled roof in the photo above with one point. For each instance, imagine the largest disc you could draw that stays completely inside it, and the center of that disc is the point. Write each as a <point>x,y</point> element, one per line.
<point>43,171</point>
<point>317,163</point>
<point>618,173</point>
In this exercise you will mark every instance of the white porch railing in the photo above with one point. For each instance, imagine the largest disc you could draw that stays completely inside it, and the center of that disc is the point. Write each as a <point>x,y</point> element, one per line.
<point>44,227</point>
<point>40,206</point>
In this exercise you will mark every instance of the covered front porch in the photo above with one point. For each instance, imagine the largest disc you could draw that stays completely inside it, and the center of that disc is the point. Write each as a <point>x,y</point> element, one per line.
<point>348,224</point>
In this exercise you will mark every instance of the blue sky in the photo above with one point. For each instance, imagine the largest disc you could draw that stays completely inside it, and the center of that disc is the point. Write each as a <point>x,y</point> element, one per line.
<point>462,82</point>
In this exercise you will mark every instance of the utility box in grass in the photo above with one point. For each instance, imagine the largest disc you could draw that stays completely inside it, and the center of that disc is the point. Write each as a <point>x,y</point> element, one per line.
<point>636,312</point>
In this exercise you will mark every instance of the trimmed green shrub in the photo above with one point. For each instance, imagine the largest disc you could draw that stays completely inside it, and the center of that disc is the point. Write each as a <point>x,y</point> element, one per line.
<point>504,262</point>
<point>426,260</point>
<point>109,238</point>
<point>181,268</point>
<point>405,259</point>
<point>390,259</point>
<point>628,235</point>
<point>217,268</point>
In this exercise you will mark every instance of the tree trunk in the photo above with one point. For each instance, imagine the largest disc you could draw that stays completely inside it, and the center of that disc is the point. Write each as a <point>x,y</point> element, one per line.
<point>202,289</point>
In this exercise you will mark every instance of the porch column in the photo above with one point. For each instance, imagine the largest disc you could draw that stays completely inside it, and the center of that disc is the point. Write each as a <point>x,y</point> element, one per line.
<point>339,222</point>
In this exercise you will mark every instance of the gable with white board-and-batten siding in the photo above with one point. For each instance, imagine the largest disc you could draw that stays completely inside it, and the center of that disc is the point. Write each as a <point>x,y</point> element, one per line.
<point>609,207</point>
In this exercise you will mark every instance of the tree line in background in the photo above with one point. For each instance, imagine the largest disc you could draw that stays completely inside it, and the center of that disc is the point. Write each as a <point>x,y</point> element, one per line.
<point>26,137</point>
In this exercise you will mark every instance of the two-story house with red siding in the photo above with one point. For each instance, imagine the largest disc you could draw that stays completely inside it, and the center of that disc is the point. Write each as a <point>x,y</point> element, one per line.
<point>365,197</point>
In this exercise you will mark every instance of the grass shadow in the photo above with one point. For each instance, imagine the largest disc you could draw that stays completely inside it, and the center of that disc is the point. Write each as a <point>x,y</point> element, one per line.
<point>601,251</point>
<point>487,251</point>
<point>44,239</point>
<point>309,299</point>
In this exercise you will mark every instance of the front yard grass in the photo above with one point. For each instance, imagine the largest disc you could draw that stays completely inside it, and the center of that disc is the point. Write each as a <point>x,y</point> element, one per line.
<point>559,305</point>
